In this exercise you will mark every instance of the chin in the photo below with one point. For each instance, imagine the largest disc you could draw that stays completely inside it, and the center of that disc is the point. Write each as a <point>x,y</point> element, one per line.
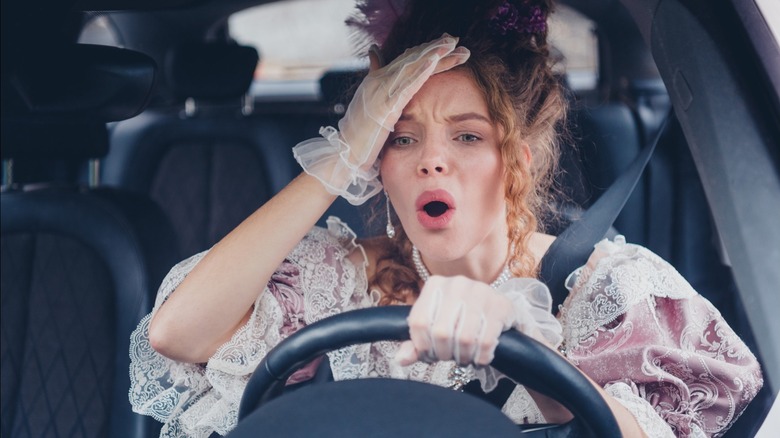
<point>441,245</point>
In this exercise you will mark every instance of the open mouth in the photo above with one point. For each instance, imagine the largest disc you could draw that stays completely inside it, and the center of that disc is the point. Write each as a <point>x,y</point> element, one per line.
<point>436,208</point>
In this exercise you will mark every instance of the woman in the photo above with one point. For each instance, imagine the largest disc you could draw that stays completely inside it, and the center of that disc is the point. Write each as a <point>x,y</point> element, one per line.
<point>463,139</point>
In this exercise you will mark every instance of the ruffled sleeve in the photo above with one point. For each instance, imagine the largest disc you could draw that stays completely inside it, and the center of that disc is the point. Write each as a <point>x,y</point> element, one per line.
<point>316,280</point>
<point>634,325</point>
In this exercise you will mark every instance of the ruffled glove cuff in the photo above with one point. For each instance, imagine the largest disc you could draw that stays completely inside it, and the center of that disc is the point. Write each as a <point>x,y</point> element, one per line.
<point>327,159</point>
<point>533,304</point>
<point>532,316</point>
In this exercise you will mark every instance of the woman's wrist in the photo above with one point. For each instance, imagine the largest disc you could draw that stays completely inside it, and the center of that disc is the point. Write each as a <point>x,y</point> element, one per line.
<point>329,159</point>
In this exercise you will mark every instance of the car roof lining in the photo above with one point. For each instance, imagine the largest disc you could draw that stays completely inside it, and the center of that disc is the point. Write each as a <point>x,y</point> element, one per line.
<point>132,5</point>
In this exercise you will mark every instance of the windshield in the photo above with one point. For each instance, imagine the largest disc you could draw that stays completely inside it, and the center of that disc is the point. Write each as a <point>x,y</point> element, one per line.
<point>300,40</point>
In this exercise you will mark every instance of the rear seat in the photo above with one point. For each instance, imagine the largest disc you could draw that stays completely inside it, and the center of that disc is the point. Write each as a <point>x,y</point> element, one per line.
<point>80,267</point>
<point>207,163</point>
<point>213,167</point>
<point>607,140</point>
<point>607,136</point>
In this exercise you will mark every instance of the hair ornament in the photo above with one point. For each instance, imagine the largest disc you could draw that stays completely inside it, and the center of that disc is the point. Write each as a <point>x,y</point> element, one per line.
<point>499,27</point>
<point>518,17</point>
<point>375,19</point>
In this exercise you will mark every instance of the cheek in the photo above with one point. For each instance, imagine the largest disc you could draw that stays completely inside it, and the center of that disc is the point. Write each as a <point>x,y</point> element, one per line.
<point>388,170</point>
<point>395,166</point>
<point>492,175</point>
<point>391,174</point>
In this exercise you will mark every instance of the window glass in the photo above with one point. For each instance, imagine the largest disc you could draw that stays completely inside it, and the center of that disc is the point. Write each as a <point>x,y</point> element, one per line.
<point>574,36</point>
<point>770,10</point>
<point>99,30</point>
<point>300,39</point>
<point>296,39</point>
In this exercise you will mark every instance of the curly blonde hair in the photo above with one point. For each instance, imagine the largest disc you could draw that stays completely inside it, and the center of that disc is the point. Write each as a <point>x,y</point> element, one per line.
<point>526,100</point>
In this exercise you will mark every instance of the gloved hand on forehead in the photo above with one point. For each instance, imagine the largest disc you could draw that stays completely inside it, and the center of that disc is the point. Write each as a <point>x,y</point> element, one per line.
<point>456,318</point>
<point>344,160</point>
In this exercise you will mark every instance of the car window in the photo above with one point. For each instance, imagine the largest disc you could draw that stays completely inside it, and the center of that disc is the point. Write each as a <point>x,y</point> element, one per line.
<point>299,40</point>
<point>98,29</point>
<point>574,36</point>
<point>770,10</point>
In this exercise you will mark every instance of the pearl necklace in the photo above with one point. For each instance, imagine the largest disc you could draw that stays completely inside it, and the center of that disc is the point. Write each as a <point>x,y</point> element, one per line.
<point>505,274</point>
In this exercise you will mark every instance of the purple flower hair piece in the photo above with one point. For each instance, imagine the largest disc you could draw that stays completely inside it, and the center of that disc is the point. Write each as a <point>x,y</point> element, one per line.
<point>504,20</point>
<point>374,19</point>
<point>519,17</point>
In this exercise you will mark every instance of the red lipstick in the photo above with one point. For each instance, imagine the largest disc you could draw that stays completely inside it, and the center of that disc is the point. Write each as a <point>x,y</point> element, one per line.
<point>435,209</point>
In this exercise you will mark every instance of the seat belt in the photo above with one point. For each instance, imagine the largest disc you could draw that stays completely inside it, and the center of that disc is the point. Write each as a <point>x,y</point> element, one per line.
<point>572,248</point>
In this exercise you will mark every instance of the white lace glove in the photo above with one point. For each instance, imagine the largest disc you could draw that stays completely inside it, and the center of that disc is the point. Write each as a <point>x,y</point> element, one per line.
<point>345,160</point>
<point>459,319</point>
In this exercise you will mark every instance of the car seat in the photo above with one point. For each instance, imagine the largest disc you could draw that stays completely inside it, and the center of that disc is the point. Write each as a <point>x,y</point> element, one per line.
<point>206,161</point>
<point>80,265</point>
<point>605,137</point>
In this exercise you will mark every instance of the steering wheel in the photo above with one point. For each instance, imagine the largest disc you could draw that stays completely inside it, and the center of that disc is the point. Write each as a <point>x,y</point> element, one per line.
<point>524,360</point>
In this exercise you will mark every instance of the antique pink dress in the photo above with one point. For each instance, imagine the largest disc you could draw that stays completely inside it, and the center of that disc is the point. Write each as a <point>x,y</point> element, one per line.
<point>631,322</point>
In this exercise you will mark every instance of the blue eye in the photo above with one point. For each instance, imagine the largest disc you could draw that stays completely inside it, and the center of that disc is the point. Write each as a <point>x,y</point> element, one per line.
<point>468,138</point>
<point>401,141</point>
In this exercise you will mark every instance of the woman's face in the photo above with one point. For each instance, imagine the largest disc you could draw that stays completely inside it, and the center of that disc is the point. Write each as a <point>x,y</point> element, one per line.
<point>443,171</point>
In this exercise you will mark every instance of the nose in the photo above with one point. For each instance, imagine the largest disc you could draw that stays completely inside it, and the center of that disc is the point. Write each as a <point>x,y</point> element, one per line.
<point>427,170</point>
<point>432,160</point>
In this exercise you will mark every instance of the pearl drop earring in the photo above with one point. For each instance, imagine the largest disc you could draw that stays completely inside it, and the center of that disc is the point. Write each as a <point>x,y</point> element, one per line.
<point>390,228</point>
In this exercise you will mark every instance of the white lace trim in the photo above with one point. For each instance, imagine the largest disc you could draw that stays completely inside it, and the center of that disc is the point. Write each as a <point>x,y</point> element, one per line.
<point>522,409</point>
<point>616,276</point>
<point>696,432</point>
<point>649,420</point>
<point>194,400</point>
<point>692,368</point>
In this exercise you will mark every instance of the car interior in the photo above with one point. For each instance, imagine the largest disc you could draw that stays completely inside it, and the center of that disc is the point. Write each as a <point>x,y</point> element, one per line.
<point>135,134</point>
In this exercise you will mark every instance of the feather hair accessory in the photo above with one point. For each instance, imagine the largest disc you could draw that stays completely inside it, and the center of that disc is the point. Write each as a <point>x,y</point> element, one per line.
<point>373,20</point>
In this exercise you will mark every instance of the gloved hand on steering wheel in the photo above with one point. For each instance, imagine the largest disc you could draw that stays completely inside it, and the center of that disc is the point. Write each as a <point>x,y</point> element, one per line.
<point>456,318</point>
<point>344,160</point>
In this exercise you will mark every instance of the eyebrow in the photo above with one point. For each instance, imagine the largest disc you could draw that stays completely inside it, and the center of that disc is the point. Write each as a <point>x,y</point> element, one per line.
<point>469,116</point>
<point>456,118</point>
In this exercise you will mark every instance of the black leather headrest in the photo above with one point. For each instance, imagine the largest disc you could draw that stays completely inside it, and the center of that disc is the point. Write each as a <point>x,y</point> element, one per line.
<point>45,139</point>
<point>83,82</point>
<point>210,70</point>
<point>338,86</point>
